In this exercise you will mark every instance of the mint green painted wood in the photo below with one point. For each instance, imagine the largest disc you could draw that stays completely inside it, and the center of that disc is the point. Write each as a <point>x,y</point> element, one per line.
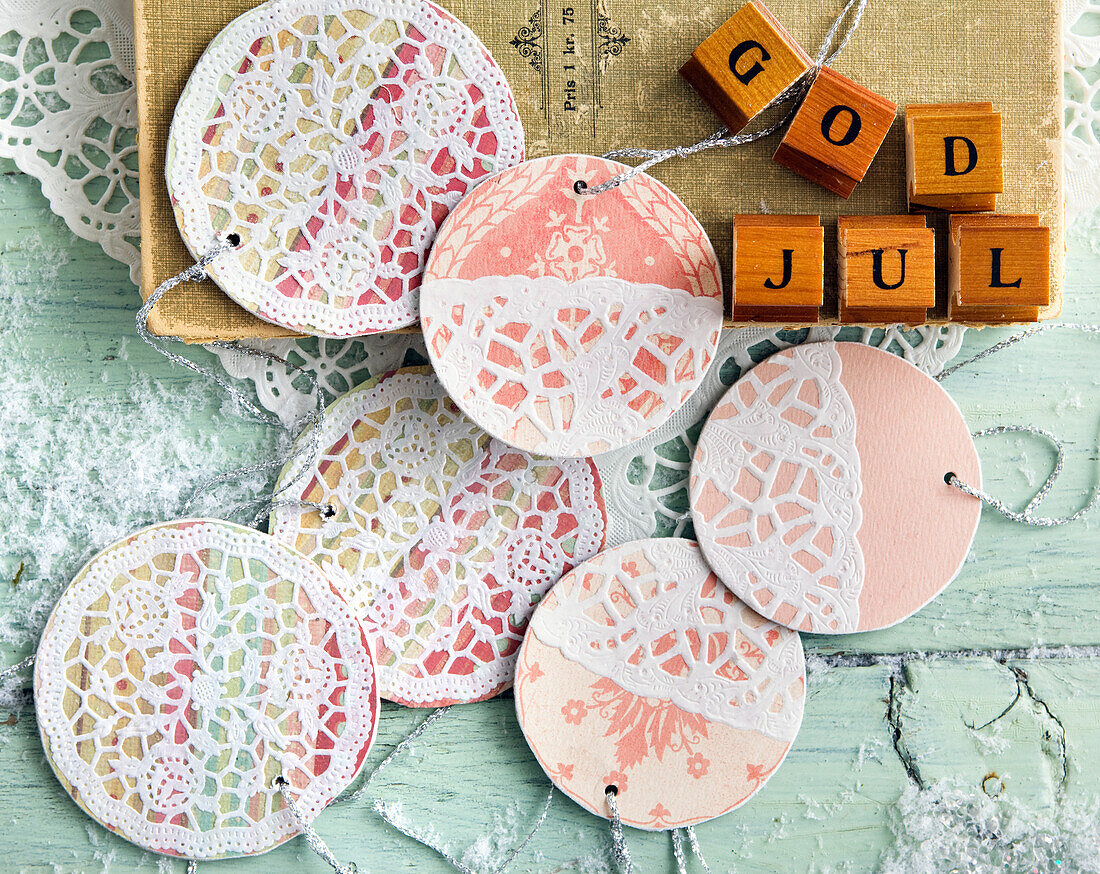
<point>867,734</point>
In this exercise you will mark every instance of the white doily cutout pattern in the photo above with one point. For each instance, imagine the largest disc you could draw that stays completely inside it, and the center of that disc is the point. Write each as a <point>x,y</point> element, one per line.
<point>443,538</point>
<point>1081,145</point>
<point>562,377</point>
<point>68,114</point>
<point>569,325</point>
<point>187,667</point>
<point>335,136</point>
<point>775,490</point>
<point>651,616</point>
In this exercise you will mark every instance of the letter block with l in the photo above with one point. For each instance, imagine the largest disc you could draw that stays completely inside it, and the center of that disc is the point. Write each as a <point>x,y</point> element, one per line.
<point>778,268</point>
<point>998,268</point>
<point>745,64</point>
<point>886,269</point>
<point>953,156</point>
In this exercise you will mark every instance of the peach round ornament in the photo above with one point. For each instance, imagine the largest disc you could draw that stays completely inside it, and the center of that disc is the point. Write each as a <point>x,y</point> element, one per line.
<point>643,676</point>
<point>569,324</point>
<point>190,668</point>
<point>333,136</point>
<point>442,538</point>
<point>818,488</point>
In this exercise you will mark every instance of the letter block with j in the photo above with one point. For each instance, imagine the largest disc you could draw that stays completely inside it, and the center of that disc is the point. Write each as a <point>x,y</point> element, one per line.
<point>998,268</point>
<point>953,156</point>
<point>836,132</point>
<point>745,64</point>
<point>778,268</point>
<point>886,269</point>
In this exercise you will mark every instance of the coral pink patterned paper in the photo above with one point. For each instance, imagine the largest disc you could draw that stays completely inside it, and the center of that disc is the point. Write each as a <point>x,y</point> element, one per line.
<point>334,136</point>
<point>570,324</point>
<point>818,492</point>
<point>642,672</point>
<point>441,537</point>
<point>188,667</point>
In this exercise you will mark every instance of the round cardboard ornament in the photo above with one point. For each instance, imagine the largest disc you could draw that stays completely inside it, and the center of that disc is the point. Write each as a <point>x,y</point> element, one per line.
<point>570,324</point>
<point>818,489</point>
<point>442,538</point>
<point>188,667</point>
<point>334,136</point>
<point>641,674</point>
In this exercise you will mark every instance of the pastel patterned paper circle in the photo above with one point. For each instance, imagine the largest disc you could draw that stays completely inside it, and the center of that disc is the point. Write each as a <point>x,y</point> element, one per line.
<point>818,492</point>
<point>334,136</point>
<point>187,667</point>
<point>443,538</point>
<point>643,672</point>
<point>569,324</point>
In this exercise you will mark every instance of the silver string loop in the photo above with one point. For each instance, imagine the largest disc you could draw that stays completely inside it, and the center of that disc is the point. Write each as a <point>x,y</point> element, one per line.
<point>12,670</point>
<point>1027,515</point>
<point>315,841</point>
<point>619,850</point>
<point>722,138</point>
<point>695,848</point>
<point>678,851</point>
<point>306,453</point>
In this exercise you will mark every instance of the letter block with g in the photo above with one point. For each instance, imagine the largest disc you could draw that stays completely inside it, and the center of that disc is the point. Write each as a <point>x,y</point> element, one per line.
<point>745,64</point>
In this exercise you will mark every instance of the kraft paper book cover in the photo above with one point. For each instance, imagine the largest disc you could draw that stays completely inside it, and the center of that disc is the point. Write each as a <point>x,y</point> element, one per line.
<point>596,75</point>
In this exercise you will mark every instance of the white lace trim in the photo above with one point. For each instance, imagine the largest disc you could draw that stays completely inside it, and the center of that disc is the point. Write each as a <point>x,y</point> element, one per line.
<point>436,519</point>
<point>615,615</point>
<point>576,365</point>
<point>775,491</point>
<point>183,665</point>
<point>336,178</point>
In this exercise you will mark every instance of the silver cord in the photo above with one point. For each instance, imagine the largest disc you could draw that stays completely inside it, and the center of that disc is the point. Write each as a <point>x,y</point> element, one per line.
<point>722,138</point>
<point>695,848</point>
<point>315,841</point>
<point>306,453</point>
<point>619,850</point>
<point>192,866</point>
<point>1025,516</point>
<point>678,851</point>
<point>16,668</point>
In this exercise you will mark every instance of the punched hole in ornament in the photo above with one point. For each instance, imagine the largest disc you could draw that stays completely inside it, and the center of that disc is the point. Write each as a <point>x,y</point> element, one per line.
<point>949,476</point>
<point>328,512</point>
<point>234,240</point>
<point>580,186</point>
<point>611,790</point>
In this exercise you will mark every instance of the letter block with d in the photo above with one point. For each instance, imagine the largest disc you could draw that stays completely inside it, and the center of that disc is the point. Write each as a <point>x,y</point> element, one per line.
<point>745,64</point>
<point>953,156</point>
<point>778,268</point>
<point>886,269</point>
<point>836,132</point>
<point>998,268</point>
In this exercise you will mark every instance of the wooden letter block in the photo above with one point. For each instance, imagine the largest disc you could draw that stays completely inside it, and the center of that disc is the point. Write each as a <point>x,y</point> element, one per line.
<point>778,268</point>
<point>886,269</point>
<point>836,132</point>
<point>998,268</point>
<point>953,156</point>
<point>745,64</point>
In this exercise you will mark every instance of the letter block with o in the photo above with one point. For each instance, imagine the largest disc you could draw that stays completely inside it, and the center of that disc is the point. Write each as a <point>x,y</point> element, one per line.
<point>886,269</point>
<point>778,268</point>
<point>836,132</point>
<point>953,156</point>
<point>745,64</point>
<point>998,268</point>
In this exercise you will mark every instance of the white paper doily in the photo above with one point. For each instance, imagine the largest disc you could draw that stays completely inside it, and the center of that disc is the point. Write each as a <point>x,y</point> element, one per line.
<point>187,667</point>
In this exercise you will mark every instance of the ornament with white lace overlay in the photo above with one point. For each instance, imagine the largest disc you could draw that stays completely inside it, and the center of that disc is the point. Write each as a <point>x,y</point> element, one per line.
<point>334,136</point>
<point>441,538</point>
<point>818,492</point>
<point>643,672</point>
<point>566,324</point>
<point>185,669</point>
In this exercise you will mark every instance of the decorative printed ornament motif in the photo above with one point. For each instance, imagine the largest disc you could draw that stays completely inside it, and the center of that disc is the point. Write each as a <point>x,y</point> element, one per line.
<point>818,491</point>
<point>442,538</point>
<point>569,324</point>
<point>188,667</point>
<point>642,672</point>
<point>334,136</point>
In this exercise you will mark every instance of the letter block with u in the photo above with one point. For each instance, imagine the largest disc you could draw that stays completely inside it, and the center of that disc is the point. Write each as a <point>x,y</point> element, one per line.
<point>745,64</point>
<point>886,269</point>
<point>998,268</point>
<point>953,156</point>
<point>778,268</point>
<point>836,132</point>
